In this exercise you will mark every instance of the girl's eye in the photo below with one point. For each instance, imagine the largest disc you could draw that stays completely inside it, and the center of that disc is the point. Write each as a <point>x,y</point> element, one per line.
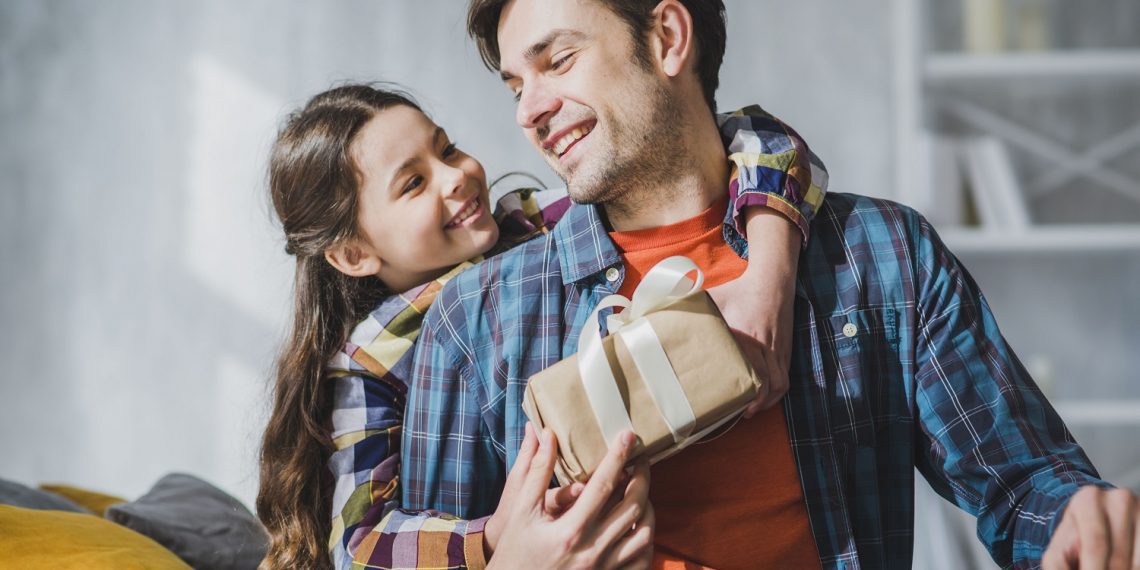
<point>450,150</point>
<point>414,183</point>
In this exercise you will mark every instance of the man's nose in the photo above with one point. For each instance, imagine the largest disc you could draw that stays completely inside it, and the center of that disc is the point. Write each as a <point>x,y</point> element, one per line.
<point>536,106</point>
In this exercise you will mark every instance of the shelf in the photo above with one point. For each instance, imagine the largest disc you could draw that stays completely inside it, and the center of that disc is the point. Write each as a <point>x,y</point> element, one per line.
<point>1099,412</point>
<point>1018,65</point>
<point>1049,239</point>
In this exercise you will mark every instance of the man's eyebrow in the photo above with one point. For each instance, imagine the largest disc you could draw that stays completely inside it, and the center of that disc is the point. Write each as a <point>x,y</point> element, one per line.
<point>542,45</point>
<point>412,160</point>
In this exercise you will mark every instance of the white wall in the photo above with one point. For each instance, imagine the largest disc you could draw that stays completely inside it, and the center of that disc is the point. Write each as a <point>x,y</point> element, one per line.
<point>144,289</point>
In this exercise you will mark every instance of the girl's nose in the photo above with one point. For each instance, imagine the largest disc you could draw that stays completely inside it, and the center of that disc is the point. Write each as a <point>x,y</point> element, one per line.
<point>454,181</point>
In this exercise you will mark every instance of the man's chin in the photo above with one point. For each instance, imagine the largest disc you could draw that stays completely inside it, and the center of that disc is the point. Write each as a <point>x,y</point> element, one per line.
<point>580,193</point>
<point>586,193</point>
<point>585,186</point>
<point>564,173</point>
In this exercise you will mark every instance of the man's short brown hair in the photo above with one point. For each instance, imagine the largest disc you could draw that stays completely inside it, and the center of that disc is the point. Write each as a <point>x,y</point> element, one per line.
<point>708,28</point>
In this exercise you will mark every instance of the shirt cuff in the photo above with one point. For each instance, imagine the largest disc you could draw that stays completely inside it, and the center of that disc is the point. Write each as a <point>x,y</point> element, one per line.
<point>774,202</point>
<point>1034,533</point>
<point>473,555</point>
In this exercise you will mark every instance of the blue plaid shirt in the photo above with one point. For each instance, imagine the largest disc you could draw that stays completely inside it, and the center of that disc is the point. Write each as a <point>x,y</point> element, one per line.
<point>921,377</point>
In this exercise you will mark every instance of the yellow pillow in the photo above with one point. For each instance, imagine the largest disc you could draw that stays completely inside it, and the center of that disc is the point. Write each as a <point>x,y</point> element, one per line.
<point>90,500</point>
<point>57,539</point>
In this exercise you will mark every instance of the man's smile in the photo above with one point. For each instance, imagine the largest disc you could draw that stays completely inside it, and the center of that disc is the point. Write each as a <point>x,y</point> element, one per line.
<point>561,142</point>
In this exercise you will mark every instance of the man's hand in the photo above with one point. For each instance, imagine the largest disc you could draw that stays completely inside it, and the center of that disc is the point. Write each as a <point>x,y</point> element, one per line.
<point>758,306</point>
<point>1100,529</point>
<point>556,500</point>
<point>604,525</point>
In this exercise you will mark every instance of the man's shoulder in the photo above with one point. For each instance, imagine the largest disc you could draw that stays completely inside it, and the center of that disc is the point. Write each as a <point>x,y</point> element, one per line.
<point>860,244</point>
<point>842,203</point>
<point>854,218</point>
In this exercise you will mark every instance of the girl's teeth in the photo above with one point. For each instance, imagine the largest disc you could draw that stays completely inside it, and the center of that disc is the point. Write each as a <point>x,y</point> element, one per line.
<point>466,213</point>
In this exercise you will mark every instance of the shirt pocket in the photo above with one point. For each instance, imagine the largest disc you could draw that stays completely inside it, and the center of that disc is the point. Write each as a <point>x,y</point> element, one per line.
<point>862,368</point>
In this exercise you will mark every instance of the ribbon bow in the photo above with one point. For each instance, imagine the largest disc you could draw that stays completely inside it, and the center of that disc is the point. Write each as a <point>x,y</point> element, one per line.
<point>666,282</point>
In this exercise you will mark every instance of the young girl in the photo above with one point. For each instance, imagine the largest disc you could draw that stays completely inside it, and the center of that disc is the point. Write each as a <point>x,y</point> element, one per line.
<point>380,209</point>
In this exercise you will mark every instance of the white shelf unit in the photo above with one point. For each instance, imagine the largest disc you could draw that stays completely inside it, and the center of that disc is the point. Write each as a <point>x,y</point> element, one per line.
<point>948,67</point>
<point>1044,240</point>
<point>919,78</point>
<point>1099,412</point>
<point>918,75</point>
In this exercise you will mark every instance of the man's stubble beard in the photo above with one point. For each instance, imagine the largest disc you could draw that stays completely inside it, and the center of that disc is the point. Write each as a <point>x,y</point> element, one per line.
<point>640,163</point>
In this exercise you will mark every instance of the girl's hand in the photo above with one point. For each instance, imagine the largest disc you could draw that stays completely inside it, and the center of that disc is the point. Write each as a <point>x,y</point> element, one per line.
<point>565,528</point>
<point>556,500</point>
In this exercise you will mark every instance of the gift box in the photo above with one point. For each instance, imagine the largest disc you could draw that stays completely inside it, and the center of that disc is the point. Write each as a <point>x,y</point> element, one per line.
<point>670,370</point>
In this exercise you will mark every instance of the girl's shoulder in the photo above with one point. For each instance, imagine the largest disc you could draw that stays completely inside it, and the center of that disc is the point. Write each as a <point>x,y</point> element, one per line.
<point>380,342</point>
<point>525,213</point>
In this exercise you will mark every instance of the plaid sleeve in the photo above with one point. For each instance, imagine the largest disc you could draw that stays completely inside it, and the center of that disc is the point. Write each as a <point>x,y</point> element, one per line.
<point>369,531</point>
<point>772,166</point>
<point>369,382</point>
<point>988,440</point>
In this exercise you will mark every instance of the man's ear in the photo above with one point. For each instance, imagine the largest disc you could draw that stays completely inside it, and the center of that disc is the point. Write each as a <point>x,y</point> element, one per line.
<point>352,258</point>
<point>672,37</point>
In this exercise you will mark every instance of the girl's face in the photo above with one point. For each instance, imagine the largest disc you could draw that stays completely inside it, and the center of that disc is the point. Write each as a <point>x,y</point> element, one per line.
<point>423,202</point>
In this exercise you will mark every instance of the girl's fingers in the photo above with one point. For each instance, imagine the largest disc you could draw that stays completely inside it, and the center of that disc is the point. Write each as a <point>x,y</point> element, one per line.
<point>541,470</point>
<point>603,482</point>
<point>522,464</point>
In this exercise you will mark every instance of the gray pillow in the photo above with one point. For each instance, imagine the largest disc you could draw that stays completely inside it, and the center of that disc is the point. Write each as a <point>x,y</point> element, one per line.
<point>17,495</point>
<point>197,521</point>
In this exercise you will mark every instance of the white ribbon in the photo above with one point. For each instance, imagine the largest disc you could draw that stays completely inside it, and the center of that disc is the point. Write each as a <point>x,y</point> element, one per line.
<point>665,283</point>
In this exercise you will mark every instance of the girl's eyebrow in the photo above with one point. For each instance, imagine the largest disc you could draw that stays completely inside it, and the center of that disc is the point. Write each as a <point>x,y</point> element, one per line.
<point>412,160</point>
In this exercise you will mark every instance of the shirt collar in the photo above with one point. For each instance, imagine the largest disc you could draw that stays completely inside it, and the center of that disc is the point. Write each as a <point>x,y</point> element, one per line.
<point>584,248</point>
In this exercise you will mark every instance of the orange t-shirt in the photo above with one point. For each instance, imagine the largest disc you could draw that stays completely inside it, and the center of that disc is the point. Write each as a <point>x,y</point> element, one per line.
<point>733,500</point>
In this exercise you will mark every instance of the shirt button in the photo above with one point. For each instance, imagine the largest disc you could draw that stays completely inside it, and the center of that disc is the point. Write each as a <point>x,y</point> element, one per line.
<point>612,274</point>
<point>850,330</point>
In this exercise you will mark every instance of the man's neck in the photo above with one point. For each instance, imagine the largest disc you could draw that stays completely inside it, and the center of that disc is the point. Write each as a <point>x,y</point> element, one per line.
<point>700,178</point>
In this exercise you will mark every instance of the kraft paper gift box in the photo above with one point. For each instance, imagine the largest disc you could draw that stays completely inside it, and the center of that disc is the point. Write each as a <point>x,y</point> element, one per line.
<point>670,369</point>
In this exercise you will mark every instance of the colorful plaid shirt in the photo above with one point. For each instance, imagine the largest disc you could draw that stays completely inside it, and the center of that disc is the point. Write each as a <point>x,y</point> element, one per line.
<point>771,167</point>
<point>897,363</point>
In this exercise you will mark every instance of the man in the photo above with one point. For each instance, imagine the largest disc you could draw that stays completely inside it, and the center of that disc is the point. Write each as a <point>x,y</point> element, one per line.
<point>897,361</point>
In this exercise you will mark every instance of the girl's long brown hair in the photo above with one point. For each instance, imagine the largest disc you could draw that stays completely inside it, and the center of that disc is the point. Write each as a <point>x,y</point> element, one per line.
<point>314,185</point>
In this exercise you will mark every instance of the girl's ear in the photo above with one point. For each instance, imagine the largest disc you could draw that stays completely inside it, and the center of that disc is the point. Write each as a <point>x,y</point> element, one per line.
<point>352,259</point>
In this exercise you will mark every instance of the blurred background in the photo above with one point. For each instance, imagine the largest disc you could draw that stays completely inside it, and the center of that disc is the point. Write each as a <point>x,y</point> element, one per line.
<point>145,290</point>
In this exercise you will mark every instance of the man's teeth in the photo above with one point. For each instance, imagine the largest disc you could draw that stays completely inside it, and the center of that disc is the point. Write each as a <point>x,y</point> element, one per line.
<point>466,213</point>
<point>569,138</point>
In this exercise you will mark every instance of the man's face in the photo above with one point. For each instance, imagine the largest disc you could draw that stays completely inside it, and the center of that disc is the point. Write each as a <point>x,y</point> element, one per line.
<point>590,107</point>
